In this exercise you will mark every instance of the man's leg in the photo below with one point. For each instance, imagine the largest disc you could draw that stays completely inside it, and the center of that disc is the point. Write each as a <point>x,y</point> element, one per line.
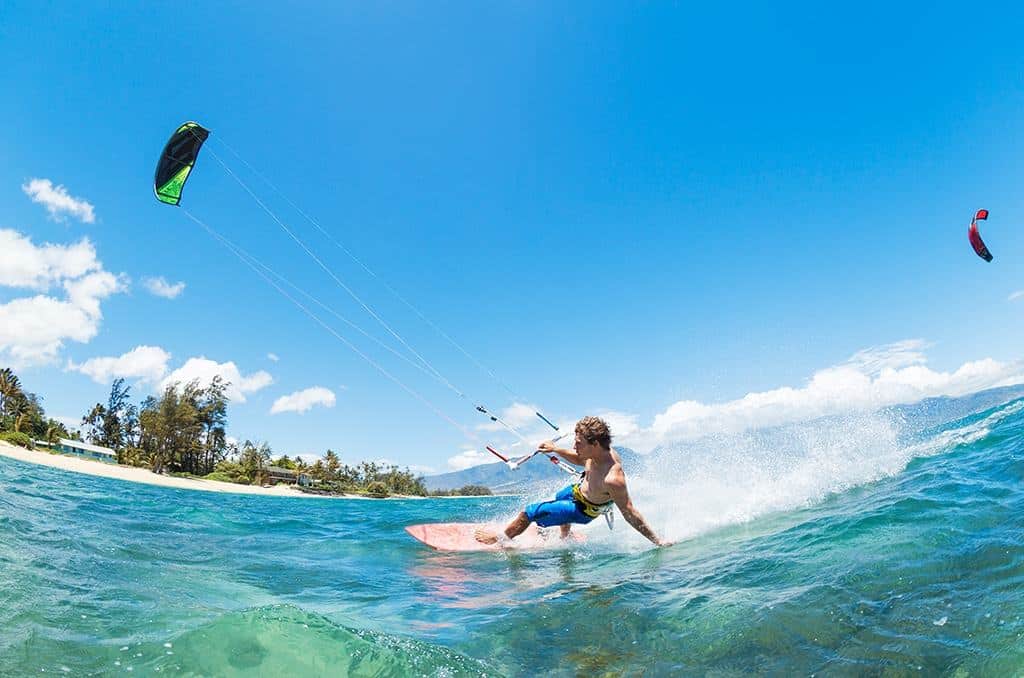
<point>513,530</point>
<point>565,530</point>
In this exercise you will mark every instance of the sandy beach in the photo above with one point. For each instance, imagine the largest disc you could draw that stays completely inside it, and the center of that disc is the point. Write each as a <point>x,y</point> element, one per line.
<point>140,475</point>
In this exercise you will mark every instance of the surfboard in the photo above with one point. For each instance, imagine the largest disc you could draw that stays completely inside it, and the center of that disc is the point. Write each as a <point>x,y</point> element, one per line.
<point>460,537</point>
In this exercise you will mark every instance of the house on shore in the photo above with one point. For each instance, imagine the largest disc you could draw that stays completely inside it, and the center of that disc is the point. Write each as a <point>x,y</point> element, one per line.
<point>80,449</point>
<point>277,474</point>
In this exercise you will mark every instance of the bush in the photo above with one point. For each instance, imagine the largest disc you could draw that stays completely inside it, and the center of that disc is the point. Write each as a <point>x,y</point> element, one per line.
<point>474,491</point>
<point>20,439</point>
<point>230,472</point>
<point>225,478</point>
<point>377,489</point>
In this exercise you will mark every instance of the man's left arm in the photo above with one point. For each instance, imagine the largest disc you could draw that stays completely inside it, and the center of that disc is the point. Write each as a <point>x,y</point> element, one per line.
<point>617,488</point>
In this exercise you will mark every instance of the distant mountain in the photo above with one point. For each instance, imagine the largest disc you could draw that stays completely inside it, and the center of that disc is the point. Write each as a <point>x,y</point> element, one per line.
<point>501,479</point>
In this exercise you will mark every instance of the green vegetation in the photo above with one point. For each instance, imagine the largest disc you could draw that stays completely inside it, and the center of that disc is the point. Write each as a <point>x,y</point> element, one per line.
<point>377,489</point>
<point>20,439</point>
<point>367,478</point>
<point>182,432</point>
<point>464,491</point>
<point>22,412</point>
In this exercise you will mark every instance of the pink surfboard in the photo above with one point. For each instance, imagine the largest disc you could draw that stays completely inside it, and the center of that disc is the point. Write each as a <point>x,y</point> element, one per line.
<point>460,537</point>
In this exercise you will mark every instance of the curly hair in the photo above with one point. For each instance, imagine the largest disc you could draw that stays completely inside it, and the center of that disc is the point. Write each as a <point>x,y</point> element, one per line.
<point>595,430</point>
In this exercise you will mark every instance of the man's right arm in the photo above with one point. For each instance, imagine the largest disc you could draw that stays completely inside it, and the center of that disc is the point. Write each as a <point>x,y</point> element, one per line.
<point>549,448</point>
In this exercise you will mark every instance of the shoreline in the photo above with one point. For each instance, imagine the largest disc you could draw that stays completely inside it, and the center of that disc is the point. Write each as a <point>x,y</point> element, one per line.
<point>134,474</point>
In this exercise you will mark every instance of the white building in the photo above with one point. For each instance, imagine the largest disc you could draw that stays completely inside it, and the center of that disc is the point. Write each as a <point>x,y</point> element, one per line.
<point>81,449</point>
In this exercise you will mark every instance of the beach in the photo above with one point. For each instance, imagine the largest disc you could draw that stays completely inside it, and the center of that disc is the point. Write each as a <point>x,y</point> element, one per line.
<point>134,474</point>
<point>141,475</point>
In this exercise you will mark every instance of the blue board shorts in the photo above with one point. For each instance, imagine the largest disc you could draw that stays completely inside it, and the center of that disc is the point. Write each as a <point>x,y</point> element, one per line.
<point>561,510</point>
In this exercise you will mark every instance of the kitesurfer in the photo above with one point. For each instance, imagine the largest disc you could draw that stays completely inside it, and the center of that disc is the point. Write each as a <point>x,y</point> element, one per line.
<point>602,485</point>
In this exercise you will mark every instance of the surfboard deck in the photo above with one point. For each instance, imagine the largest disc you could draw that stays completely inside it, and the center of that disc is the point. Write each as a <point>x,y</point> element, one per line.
<point>460,537</point>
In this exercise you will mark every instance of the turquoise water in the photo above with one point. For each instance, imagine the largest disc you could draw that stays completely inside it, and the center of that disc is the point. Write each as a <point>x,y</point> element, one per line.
<point>871,545</point>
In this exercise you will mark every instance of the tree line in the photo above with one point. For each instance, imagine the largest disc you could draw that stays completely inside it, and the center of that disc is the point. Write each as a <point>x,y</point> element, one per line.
<point>183,431</point>
<point>464,491</point>
<point>331,476</point>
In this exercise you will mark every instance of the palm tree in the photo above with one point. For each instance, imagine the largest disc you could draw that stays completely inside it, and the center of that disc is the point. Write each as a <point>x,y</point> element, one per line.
<point>254,459</point>
<point>332,464</point>
<point>54,432</point>
<point>20,408</point>
<point>10,389</point>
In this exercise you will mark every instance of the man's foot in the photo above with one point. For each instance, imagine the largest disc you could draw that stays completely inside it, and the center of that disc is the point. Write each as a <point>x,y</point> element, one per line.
<point>485,536</point>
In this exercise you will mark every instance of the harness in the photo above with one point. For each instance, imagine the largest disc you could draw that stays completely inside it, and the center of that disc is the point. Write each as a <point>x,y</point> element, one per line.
<point>588,507</point>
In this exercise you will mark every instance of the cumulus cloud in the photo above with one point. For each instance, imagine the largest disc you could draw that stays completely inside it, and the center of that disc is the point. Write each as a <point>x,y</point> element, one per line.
<point>272,357</point>
<point>161,288</point>
<point>33,329</point>
<point>146,363</point>
<point>37,267</point>
<point>57,201</point>
<point>469,457</point>
<point>1019,294</point>
<point>204,370</point>
<point>303,401</point>
<point>869,380</point>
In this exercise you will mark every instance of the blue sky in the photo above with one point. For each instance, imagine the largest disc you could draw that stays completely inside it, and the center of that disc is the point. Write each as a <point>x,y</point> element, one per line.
<point>665,213</point>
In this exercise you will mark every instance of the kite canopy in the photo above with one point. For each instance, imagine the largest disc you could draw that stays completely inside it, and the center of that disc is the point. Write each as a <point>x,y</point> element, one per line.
<point>975,236</point>
<point>177,161</point>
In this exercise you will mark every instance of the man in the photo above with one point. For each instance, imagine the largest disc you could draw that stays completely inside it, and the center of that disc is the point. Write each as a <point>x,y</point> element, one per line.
<point>602,485</point>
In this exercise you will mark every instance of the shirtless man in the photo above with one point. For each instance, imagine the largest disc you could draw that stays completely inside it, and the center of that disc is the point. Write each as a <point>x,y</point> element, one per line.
<point>603,484</point>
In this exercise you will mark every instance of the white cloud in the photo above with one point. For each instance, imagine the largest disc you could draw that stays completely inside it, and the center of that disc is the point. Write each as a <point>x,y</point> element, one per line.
<point>871,379</point>
<point>146,363</point>
<point>1019,294</point>
<point>33,329</point>
<point>303,401</point>
<point>204,370</point>
<point>161,288</point>
<point>272,357</point>
<point>468,458</point>
<point>87,292</point>
<point>24,264</point>
<point>57,201</point>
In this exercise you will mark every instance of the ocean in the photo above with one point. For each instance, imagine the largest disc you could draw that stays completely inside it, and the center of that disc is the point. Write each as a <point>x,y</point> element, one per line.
<point>880,544</point>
